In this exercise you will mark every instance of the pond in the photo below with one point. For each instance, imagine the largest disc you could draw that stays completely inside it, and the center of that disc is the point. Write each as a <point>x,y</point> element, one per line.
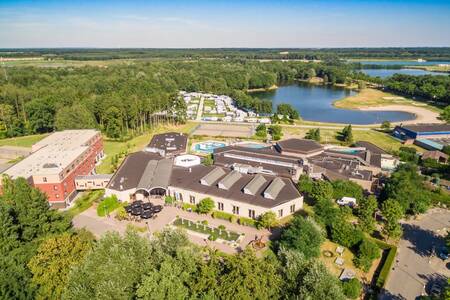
<point>383,73</point>
<point>315,103</point>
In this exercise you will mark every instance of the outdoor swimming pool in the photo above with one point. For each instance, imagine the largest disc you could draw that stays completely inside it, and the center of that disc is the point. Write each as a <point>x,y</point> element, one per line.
<point>207,147</point>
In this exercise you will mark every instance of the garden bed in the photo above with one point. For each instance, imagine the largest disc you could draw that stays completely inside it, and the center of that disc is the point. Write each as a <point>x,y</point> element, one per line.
<point>223,234</point>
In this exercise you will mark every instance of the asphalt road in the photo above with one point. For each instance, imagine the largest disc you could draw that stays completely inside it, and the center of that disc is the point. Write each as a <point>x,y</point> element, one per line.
<point>417,268</point>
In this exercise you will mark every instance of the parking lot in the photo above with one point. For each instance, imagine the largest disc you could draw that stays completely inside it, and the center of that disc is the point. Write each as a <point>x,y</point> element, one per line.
<point>417,267</point>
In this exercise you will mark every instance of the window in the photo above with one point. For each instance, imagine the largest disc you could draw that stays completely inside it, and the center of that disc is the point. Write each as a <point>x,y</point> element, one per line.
<point>280,213</point>
<point>292,208</point>
<point>251,213</point>
<point>220,205</point>
<point>235,210</point>
<point>192,199</point>
<point>44,179</point>
<point>57,195</point>
<point>55,187</point>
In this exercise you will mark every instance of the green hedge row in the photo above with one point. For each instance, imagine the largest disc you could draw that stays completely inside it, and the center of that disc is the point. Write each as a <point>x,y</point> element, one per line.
<point>224,216</point>
<point>387,266</point>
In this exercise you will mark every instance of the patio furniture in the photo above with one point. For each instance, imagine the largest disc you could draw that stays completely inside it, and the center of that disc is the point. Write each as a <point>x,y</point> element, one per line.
<point>157,208</point>
<point>339,261</point>
<point>147,206</point>
<point>340,250</point>
<point>136,211</point>
<point>128,208</point>
<point>136,204</point>
<point>146,214</point>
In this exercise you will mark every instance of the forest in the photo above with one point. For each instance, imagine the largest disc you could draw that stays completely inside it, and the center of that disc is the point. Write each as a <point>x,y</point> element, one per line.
<point>123,99</point>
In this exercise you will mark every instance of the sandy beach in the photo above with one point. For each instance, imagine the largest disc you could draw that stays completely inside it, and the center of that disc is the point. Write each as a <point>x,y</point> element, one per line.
<point>423,115</point>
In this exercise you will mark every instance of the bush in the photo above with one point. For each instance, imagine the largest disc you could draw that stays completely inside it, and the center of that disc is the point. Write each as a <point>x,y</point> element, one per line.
<point>223,215</point>
<point>186,206</point>
<point>205,206</point>
<point>247,222</point>
<point>108,205</point>
<point>345,233</point>
<point>352,288</point>
<point>121,213</point>
<point>267,220</point>
<point>387,266</point>
<point>367,252</point>
<point>213,237</point>
<point>169,200</point>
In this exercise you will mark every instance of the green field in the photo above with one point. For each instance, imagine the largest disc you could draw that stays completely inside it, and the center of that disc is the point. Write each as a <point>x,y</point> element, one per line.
<point>22,141</point>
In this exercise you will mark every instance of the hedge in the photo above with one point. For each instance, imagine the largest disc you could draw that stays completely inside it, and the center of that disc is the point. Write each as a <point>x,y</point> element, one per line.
<point>224,216</point>
<point>387,266</point>
<point>186,206</point>
<point>247,222</point>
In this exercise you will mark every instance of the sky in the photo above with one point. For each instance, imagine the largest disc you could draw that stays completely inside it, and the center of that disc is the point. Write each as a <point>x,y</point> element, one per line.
<point>217,23</point>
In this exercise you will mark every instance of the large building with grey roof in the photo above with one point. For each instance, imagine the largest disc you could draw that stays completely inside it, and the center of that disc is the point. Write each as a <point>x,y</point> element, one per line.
<point>168,144</point>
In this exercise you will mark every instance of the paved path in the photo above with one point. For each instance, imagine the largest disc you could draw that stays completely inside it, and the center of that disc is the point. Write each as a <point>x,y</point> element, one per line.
<point>416,269</point>
<point>200,109</point>
<point>99,226</point>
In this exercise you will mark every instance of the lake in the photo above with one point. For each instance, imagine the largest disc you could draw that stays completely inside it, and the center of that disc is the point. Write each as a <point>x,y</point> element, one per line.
<point>383,73</point>
<point>400,62</point>
<point>314,103</point>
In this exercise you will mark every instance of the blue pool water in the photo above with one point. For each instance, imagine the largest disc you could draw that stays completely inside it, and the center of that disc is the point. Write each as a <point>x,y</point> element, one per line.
<point>208,147</point>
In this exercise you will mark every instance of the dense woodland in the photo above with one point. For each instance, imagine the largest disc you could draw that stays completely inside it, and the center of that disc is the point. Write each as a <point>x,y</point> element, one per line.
<point>124,98</point>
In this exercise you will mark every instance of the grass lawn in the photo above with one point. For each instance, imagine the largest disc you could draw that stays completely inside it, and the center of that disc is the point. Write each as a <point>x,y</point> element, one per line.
<point>84,202</point>
<point>371,97</point>
<point>23,141</point>
<point>136,144</point>
<point>348,262</point>
<point>329,136</point>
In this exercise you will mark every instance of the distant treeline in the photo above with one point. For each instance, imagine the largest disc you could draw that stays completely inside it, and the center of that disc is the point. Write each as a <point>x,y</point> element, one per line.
<point>442,53</point>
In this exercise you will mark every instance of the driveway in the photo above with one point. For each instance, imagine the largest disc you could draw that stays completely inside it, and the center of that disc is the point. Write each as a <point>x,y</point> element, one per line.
<point>416,267</point>
<point>100,225</point>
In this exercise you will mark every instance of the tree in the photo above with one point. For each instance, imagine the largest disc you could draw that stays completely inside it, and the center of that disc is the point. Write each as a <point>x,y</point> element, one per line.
<point>208,160</point>
<point>445,114</point>
<point>205,206</point>
<point>285,109</point>
<point>112,270</point>
<point>386,125</point>
<point>307,278</point>
<point>345,233</point>
<point>347,134</point>
<point>352,288</point>
<point>54,259</point>
<point>321,190</point>
<point>276,132</point>
<point>302,235</point>
<point>313,134</point>
<point>261,131</point>
<point>305,184</point>
<point>245,276</point>
<point>347,188</point>
<point>366,213</point>
<point>367,252</point>
<point>74,117</point>
<point>267,220</point>
<point>113,122</point>
<point>40,115</point>
<point>392,213</point>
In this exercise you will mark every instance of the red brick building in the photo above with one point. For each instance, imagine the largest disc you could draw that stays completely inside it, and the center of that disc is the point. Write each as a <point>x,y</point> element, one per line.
<point>56,160</point>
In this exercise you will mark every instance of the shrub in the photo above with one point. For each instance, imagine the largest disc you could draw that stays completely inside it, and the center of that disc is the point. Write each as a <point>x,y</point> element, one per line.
<point>121,213</point>
<point>186,206</point>
<point>169,200</point>
<point>345,233</point>
<point>205,206</point>
<point>367,252</point>
<point>108,205</point>
<point>247,222</point>
<point>267,220</point>
<point>212,237</point>
<point>352,288</point>
<point>223,215</point>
